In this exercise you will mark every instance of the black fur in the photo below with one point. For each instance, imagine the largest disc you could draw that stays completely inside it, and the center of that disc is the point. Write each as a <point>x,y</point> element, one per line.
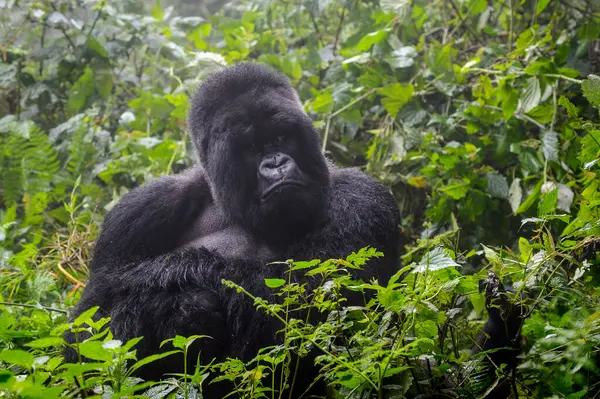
<point>152,273</point>
<point>166,246</point>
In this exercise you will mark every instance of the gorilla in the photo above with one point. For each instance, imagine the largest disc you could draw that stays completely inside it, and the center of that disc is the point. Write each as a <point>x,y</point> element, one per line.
<point>262,192</point>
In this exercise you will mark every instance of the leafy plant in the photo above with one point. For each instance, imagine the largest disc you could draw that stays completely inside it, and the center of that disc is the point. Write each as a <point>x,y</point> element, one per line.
<point>482,117</point>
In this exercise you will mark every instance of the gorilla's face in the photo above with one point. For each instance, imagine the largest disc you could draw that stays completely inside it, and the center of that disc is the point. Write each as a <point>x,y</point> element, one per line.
<point>262,155</point>
<point>281,174</point>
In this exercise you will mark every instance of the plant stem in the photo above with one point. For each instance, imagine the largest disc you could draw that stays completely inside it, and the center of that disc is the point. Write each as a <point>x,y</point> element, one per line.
<point>25,305</point>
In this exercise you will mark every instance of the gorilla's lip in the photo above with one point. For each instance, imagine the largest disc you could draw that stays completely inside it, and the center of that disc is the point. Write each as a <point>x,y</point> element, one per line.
<point>280,184</point>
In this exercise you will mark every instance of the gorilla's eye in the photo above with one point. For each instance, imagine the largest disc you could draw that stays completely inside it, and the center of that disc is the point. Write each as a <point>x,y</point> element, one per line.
<point>278,139</point>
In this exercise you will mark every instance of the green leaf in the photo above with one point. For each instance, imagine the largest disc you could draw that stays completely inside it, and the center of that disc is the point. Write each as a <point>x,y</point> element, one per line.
<point>94,350</point>
<point>157,11</point>
<point>403,57</point>
<point>439,59</point>
<point>478,302</point>
<point>151,359</point>
<point>85,316</point>
<point>510,102</point>
<point>370,40</point>
<point>483,87</point>
<point>17,357</point>
<point>112,344</point>
<point>399,7</point>
<point>301,264</point>
<point>77,369</point>
<point>543,113</point>
<point>179,342</point>
<point>436,259</point>
<point>426,329</point>
<point>591,89</point>
<point>94,45</point>
<point>497,185</point>
<point>478,6</point>
<point>396,96</point>
<point>104,82</point>
<point>531,95</point>
<point>45,342</point>
<point>535,193</point>
<point>274,282</point>
<point>537,66</point>
<point>572,110</point>
<point>391,299</point>
<point>590,147</point>
<point>358,59</point>
<point>541,5</point>
<point>323,103</point>
<point>7,379</point>
<point>82,89</point>
<point>456,190</point>
<point>550,145</point>
<point>292,68</point>
<point>515,195</point>
<point>548,203</point>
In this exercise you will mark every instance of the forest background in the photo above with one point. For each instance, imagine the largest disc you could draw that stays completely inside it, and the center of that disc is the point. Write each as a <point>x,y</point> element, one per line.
<point>481,116</point>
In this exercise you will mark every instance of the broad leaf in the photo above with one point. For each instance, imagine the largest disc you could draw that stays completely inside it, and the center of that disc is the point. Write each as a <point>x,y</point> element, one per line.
<point>531,95</point>
<point>515,194</point>
<point>94,45</point>
<point>150,359</point>
<point>157,11</point>
<point>94,350</point>
<point>403,57</point>
<point>541,5</point>
<point>550,145</point>
<point>591,89</point>
<point>497,185</point>
<point>17,357</point>
<point>533,196</point>
<point>399,7</point>
<point>45,342</point>
<point>435,259</point>
<point>548,203</point>
<point>274,282</point>
<point>590,147</point>
<point>395,96</point>
<point>456,190</point>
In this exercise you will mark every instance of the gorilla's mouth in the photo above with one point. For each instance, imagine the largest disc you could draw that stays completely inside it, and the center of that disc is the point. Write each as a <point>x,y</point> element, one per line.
<point>279,185</point>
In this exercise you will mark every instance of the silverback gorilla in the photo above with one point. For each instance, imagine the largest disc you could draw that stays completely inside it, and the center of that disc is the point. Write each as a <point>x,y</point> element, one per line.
<point>262,192</point>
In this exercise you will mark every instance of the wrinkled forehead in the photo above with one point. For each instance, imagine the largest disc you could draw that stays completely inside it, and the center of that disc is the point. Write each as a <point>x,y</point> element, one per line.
<point>260,110</point>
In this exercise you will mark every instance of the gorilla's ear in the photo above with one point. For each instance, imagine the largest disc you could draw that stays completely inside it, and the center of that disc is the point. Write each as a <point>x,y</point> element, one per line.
<point>221,91</point>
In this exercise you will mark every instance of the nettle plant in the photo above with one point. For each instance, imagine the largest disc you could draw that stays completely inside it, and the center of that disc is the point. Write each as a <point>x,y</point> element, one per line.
<point>414,329</point>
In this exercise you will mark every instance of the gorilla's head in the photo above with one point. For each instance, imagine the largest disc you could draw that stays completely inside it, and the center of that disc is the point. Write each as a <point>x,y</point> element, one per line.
<point>260,151</point>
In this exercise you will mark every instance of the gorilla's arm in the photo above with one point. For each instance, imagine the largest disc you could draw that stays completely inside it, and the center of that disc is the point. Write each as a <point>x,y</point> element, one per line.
<point>181,293</point>
<point>501,334</point>
<point>149,220</point>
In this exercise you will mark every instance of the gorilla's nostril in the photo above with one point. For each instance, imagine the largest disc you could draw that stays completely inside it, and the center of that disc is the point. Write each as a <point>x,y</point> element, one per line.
<point>277,161</point>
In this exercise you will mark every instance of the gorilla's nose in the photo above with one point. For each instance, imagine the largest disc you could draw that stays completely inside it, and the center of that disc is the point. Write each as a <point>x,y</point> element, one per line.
<point>276,166</point>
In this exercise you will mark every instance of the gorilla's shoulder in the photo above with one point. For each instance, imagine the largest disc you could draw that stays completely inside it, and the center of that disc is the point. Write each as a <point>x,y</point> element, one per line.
<point>358,200</point>
<point>192,179</point>
<point>356,181</point>
<point>185,192</point>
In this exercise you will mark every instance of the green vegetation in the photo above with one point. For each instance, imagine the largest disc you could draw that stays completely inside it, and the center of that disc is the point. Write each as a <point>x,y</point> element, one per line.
<point>482,116</point>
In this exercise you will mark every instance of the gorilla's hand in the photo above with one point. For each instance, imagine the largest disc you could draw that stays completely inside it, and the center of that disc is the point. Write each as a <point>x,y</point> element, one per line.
<point>503,327</point>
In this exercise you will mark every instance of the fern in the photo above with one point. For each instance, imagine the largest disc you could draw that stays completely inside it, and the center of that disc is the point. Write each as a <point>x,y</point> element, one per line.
<point>82,152</point>
<point>28,162</point>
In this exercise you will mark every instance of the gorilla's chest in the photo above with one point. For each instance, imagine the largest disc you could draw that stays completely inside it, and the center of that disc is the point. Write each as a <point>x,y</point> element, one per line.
<point>212,231</point>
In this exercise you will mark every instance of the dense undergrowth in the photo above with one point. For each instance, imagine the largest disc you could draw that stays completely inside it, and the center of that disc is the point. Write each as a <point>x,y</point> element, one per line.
<point>482,116</point>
